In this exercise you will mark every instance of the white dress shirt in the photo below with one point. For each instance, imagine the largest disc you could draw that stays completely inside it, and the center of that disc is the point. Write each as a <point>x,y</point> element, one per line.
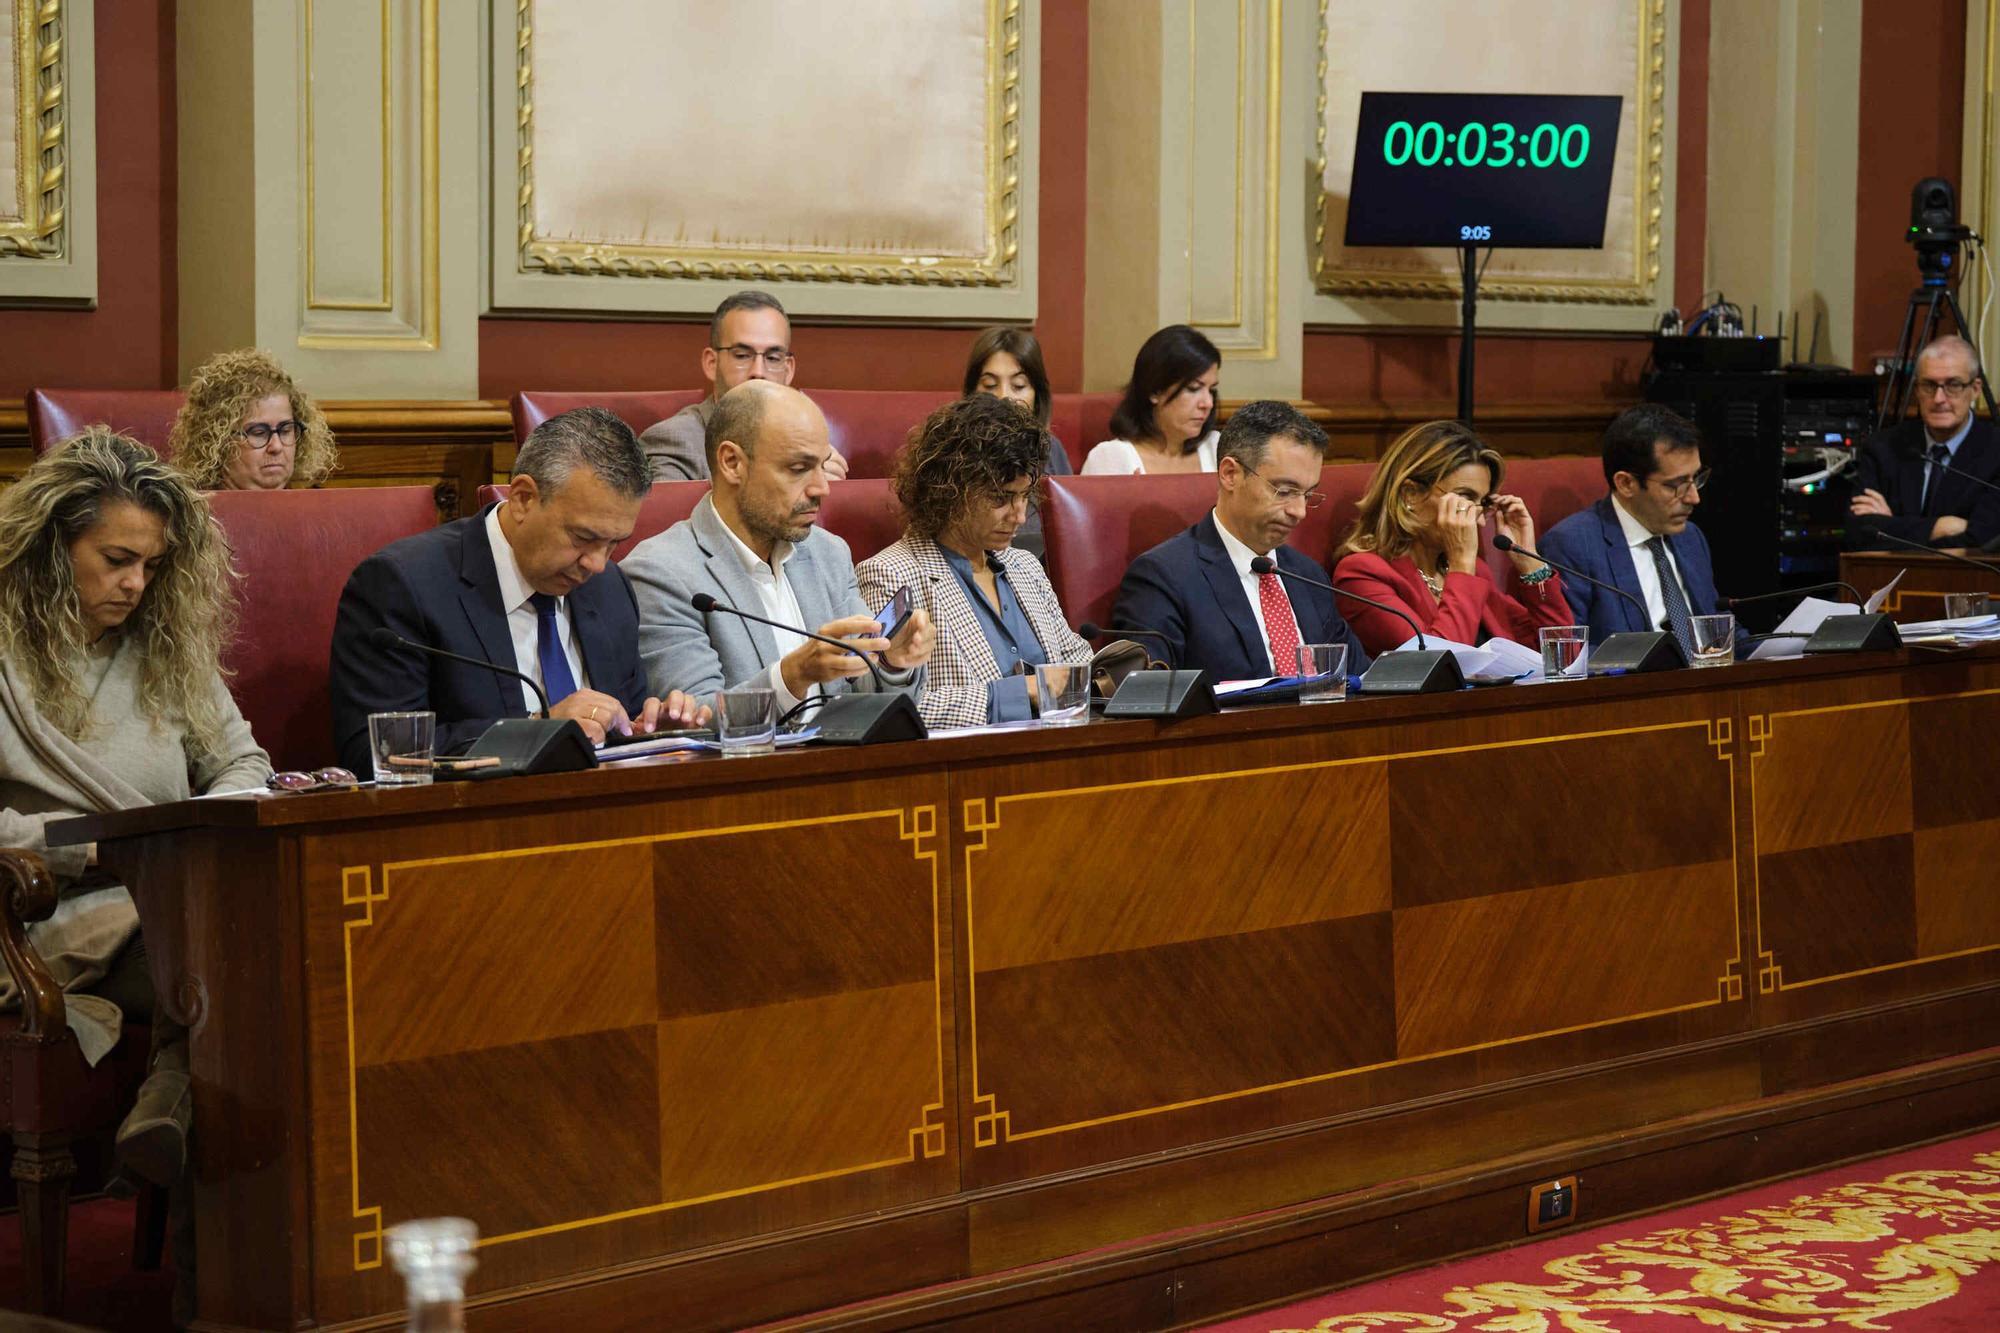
<point>1637,534</point>
<point>776,601</point>
<point>1241,556</point>
<point>1120,458</point>
<point>522,624</point>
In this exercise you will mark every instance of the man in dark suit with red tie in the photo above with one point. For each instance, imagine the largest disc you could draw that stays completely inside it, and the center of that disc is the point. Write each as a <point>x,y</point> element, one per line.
<point>1919,480</point>
<point>1197,591</point>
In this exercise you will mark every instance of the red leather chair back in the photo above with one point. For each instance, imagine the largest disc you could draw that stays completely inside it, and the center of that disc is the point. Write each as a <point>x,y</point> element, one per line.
<point>864,513</point>
<point>665,505</point>
<point>1096,526</point>
<point>147,415</point>
<point>869,426</point>
<point>1081,421</point>
<point>1327,526</point>
<point>1554,488</point>
<point>295,550</point>
<point>638,409</point>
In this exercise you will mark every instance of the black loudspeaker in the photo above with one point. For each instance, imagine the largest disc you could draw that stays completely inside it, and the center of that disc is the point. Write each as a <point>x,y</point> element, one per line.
<point>530,745</point>
<point>1433,671</point>
<point>1855,634</point>
<point>867,719</point>
<point>1163,694</point>
<point>1637,650</point>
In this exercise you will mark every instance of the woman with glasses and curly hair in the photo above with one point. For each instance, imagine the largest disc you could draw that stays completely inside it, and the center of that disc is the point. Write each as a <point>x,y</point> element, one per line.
<point>246,427</point>
<point>114,607</point>
<point>1415,545</point>
<point>966,479</point>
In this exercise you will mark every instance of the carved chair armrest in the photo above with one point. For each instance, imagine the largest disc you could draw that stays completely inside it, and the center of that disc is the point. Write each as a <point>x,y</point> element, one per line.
<point>28,893</point>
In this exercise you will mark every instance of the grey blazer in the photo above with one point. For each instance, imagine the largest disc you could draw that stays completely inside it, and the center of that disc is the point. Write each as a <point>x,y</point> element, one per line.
<point>702,653</point>
<point>677,448</point>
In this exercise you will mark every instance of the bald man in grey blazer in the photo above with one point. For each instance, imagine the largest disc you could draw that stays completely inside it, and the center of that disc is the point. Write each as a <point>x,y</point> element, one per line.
<point>752,543</point>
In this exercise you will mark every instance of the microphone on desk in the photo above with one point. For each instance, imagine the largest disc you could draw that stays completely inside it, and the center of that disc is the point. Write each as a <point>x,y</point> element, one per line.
<point>847,718</point>
<point>1425,671</point>
<point>525,746</point>
<point>1733,602</point>
<point>1627,650</point>
<point>1158,691</point>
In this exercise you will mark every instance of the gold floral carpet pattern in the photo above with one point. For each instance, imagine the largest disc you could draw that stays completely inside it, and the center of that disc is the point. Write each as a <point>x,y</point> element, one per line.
<point>1900,1243</point>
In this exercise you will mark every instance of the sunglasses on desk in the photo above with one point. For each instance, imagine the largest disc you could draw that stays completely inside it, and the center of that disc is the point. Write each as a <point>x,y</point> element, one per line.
<point>313,781</point>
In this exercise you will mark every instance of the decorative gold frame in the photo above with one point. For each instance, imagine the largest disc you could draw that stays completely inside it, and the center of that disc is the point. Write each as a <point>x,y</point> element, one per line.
<point>996,268</point>
<point>1648,204</point>
<point>44,141</point>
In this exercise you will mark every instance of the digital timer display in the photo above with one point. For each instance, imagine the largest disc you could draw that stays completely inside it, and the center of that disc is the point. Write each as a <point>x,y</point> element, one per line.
<point>1482,169</point>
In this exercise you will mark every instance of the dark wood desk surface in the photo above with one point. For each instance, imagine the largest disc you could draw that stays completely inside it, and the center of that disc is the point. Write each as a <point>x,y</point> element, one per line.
<point>744,1038</point>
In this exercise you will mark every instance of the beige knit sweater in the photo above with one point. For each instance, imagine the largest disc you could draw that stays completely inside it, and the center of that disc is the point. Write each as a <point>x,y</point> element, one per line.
<point>124,760</point>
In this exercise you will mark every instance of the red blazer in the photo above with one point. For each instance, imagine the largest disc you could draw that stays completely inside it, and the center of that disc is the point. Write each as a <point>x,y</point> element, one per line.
<point>1472,603</point>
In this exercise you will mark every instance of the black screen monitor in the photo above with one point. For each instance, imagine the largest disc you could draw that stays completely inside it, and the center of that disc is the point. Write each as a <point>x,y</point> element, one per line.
<point>1493,169</point>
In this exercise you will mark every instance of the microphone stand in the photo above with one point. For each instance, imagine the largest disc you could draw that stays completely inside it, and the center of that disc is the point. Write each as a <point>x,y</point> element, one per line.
<point>847,718</point>
<point>1426,670</point>
<point>1627,650</point>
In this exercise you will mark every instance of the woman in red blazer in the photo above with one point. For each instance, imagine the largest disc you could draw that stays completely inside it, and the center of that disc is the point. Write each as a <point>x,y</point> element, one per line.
<point>1416,546</point>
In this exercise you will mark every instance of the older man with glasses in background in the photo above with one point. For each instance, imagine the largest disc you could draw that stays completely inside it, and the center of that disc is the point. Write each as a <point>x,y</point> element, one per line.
<point>1921,480</point>
<point>749,338</point>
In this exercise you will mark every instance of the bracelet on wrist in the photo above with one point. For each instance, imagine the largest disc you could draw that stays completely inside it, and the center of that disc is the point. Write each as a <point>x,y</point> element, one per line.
<point>1541,575</point>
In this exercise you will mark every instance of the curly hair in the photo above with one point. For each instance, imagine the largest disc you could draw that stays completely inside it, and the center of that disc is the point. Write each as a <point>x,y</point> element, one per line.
<point>1421,457</point>
<point>208,429</point>
<point>966,453</point>
<point>185,617</point>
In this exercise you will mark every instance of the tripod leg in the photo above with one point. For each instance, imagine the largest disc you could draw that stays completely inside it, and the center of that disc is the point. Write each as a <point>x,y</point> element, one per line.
<point>1896,393</point>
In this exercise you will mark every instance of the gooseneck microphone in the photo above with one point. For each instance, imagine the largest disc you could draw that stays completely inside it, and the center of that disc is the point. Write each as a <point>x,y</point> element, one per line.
<point>385,638</point>
<point>1264,564</point>
<point>1502,542</point>
<point>705,604</point>
<point>1986,565</point>
<point>1848,588</point>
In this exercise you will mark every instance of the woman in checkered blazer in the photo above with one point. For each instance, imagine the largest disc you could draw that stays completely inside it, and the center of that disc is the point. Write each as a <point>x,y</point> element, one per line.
<point>966,480</point>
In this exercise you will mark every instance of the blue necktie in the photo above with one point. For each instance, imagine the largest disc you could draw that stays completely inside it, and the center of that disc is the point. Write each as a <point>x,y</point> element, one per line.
<point>1935,459</point>
<point>1679,619</point>
<point>556,678</point>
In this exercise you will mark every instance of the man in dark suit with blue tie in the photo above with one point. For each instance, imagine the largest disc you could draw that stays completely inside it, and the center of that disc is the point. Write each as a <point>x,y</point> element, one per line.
<point>1919,480</point>
<point>527,583</point>
<point>1638,537</point>
<point>1197,590</point>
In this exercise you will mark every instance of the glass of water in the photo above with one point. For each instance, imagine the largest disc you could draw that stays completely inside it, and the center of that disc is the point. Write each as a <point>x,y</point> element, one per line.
<point>1965,605</point>
<point>1323,667</point>
<point>402,744</point>
<point>746,721</point>
<point>1714,641</point>
<point>1565,649</point>
<point>1065,691</point>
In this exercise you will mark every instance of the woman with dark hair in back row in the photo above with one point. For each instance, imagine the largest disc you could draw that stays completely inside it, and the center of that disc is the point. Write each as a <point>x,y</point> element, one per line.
<point>1007,363</point>
<point>1166,422</point>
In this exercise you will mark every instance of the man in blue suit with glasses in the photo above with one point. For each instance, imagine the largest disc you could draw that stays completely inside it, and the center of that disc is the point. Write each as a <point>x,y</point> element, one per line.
<point>1638,537</point>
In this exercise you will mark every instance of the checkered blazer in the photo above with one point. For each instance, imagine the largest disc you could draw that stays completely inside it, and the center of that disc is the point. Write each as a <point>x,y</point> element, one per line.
<point>962,662</point>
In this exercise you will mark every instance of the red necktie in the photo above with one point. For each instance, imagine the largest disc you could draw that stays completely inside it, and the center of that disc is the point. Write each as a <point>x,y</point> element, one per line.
<point>1279,627</point>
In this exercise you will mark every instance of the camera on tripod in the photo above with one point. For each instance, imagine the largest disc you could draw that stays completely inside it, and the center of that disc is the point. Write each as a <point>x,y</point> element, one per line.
<point>1935,230</point>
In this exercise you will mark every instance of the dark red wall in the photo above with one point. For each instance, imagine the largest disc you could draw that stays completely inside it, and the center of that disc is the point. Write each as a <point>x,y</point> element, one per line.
<point>625,354</point>
<point>1912,93</point>
<point>131,338</point>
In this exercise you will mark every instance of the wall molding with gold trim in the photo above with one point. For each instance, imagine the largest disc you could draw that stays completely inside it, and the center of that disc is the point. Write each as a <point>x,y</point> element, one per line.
<point>562,239</point>
<point>48,191</point>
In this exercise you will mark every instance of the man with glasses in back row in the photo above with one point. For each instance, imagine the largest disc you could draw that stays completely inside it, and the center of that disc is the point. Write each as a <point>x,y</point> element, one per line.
<point>749,338</point>
<point>1638,537</point>
<point>1916,479</point>
<point>1197,592</point>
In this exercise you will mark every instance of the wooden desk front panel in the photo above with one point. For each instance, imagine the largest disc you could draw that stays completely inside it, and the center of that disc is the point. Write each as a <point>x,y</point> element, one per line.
<point>1920,596</point>
<point>612,1034</point>
<point>1219,938</point>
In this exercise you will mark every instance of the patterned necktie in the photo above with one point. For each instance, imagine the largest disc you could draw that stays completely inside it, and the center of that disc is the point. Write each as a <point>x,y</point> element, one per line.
<point>1679,619</point>
<point>1279,627</point>
<point>556,678</point>
<point>1935,459</point>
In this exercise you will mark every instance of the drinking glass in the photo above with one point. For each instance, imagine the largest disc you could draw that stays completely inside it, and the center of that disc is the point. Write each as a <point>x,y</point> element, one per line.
<point>746,721</point>
<point>1564,650</point>
<point>1714,641</point>
<point>1065,690</point>
<point>401,744</point>
<point>1324,669</point>
<point>1965,605</point>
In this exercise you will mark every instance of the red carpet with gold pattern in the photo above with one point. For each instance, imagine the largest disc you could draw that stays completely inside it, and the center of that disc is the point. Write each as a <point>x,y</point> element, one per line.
<point>1906,1242</point>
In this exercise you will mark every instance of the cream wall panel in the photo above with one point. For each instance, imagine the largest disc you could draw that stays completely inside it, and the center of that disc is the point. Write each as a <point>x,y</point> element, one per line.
<point>1123,222</point>
<point>1979,177</point>
<point>357,139</point>
<point>884,167</point>
<point>1519,46</point>
<point>48,152</point>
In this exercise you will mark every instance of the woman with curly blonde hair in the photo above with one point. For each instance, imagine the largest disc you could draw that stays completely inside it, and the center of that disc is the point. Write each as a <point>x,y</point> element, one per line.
<point>966,480</point>
<point>114,606</point>
<point>246,427</point>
